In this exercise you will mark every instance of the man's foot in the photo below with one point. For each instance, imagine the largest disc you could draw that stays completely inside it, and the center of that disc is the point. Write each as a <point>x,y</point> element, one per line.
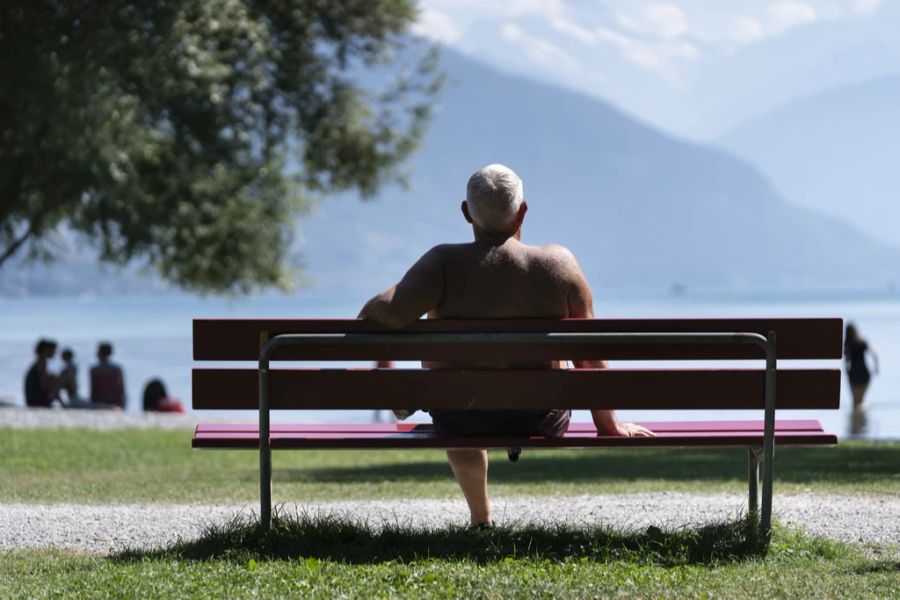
<point>482,526</point>
<point>403,413</point>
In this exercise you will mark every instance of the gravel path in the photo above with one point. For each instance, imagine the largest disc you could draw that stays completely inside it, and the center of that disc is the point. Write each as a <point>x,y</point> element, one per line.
<point>108,528</point>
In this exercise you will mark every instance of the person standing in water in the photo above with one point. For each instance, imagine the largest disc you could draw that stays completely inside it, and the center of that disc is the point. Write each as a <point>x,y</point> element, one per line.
<point>855,351</point>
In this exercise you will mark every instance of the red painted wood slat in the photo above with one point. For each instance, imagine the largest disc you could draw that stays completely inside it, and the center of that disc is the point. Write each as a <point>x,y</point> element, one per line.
<point>250,440</point>
<point>238,339</point>
<point>235,389</point>
<point>750,425</point>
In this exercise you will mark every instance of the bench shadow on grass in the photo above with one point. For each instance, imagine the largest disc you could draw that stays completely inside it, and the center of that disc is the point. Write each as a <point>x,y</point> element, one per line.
<point>340,539</point>
<point>840,465</point>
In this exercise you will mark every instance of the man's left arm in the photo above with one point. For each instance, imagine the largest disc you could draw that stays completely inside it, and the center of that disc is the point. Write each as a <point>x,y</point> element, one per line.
<point>419,291</point>
<point>581,306</point>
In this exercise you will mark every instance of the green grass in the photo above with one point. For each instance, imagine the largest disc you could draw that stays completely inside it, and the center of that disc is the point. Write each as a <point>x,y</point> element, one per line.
<point>74,465</point>
<point>328,558</point>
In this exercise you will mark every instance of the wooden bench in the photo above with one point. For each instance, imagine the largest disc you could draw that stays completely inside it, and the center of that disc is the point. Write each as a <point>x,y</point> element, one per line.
<point>766,387</point>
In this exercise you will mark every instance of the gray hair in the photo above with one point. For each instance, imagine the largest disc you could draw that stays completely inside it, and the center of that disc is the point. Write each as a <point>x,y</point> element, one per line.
<point>494,195</point>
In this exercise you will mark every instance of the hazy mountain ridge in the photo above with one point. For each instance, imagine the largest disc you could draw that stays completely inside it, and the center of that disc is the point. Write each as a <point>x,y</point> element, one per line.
<point>709,80</point>
<point>835,150</point>
<point>638,207</point>
<point>76,273</point>
<point>760,77</point>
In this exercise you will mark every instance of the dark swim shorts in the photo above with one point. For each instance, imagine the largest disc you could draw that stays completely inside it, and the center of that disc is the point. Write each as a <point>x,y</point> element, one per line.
<point>491,423</point>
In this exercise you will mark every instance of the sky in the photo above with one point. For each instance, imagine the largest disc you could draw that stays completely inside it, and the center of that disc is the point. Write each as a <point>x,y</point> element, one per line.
<point>627,51</point>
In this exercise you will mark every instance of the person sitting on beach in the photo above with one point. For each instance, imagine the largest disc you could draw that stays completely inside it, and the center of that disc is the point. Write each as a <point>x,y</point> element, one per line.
<point>68,383</point>
<point>495,276</point>
<point>157,399</point>
<point>107,379</point>
<point>68,378</point>
<point>41,386</point>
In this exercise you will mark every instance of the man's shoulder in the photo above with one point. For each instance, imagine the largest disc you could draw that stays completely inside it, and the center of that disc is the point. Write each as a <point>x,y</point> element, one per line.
<point>443,252</point>
<point>555,259</point>
<point>555,254</point>
<point>442,248</point>
<point>556,250</point>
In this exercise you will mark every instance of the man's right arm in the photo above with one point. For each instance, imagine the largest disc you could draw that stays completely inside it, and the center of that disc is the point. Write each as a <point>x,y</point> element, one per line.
<point>418,292</point>
<point>581,306</point>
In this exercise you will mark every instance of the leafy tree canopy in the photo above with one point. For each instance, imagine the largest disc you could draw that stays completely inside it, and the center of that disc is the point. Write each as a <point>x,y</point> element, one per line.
<point>188,133</point>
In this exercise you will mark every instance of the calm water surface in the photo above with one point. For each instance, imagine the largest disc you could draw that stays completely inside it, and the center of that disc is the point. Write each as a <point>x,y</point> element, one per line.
<point>152,338</point>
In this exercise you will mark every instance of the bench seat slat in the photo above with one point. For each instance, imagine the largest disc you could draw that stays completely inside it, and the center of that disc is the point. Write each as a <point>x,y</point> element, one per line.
<point>581,437</point>
<point>794,425</point>
<point>236,389</point>
<point>800,338</point>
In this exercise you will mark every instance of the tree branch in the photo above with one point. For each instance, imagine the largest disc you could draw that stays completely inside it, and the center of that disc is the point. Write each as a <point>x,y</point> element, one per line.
<point>16,244</point>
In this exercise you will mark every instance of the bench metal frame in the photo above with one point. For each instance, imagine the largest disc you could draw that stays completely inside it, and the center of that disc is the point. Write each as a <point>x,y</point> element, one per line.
<point>766,343</point>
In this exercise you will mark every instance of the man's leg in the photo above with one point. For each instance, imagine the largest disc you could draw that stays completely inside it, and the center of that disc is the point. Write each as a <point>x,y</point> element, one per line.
<point>470,468</point>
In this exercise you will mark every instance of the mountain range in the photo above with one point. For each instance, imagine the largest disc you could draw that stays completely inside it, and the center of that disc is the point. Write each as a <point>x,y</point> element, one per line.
<point>639,208</point>
<point>835,150</point>
<point>809,59</point>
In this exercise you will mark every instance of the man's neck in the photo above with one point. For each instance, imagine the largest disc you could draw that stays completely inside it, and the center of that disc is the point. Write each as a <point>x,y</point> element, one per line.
<point>495,237</point>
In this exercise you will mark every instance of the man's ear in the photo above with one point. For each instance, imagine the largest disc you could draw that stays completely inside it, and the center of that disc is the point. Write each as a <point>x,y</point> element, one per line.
<point>465,211</point>
<point>520,215</point>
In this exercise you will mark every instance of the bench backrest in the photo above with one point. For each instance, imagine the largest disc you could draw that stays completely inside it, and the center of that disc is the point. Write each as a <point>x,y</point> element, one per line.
<point>364,388</point>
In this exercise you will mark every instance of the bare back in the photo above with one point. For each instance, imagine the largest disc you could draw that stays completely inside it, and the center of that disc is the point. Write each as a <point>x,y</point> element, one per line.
<point>487,279</point>
<point>496,277</point>
<point>505,280</point>
<point>509,279</point>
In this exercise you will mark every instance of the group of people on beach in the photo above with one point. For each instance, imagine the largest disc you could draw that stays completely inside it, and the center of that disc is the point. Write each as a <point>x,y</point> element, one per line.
<point>43,388</point>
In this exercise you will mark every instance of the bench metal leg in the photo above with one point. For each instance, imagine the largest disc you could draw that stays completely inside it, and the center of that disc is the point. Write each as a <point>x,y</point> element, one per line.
<point>265,450</point>
<point>753,480</point>
<point>765,521</point>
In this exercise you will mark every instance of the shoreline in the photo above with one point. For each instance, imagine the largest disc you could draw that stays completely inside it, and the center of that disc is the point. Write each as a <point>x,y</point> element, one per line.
<point>20,417</point>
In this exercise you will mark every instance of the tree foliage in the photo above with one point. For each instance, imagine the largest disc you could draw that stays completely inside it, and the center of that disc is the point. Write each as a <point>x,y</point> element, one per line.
<point>188,133</point>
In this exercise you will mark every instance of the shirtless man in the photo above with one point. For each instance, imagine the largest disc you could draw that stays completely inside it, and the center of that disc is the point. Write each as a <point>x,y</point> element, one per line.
<point>496,276</point>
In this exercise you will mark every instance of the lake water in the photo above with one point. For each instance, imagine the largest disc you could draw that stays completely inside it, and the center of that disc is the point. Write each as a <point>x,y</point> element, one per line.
<point>152,338</point>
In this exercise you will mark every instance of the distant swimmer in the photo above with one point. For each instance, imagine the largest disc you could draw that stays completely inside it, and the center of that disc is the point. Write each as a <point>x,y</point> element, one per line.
<point>855,351</point>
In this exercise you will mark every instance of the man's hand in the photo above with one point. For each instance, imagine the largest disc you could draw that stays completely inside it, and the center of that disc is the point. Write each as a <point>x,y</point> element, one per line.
<point>632,430</point>
<point>378,309</point>
<point>607,424</point>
